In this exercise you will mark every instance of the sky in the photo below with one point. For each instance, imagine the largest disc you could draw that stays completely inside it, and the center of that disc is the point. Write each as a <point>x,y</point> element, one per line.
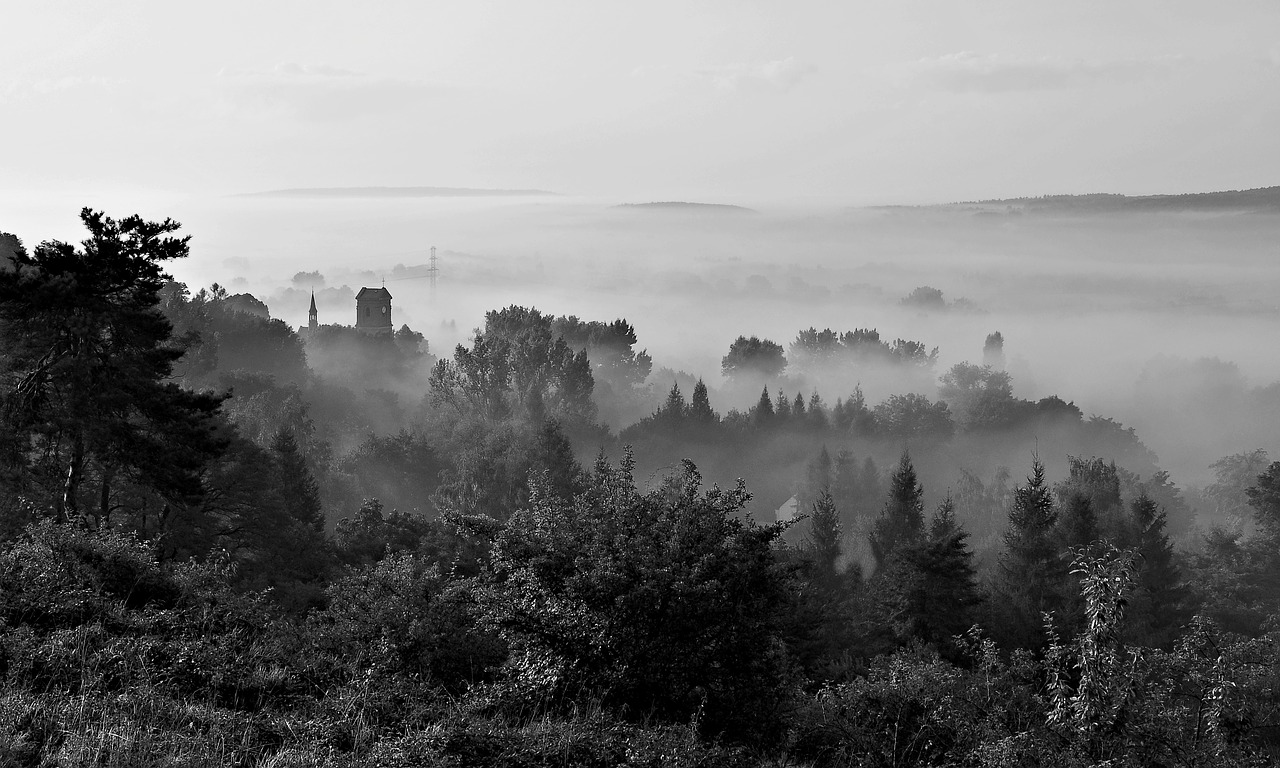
<point>856,103</point>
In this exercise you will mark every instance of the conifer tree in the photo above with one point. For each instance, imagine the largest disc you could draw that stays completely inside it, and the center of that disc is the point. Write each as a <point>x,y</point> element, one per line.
<point>823,617</point>
<point>85,392</point>
<point>870,482</point>
<point>1077,525</point>
<point>817,412</point>
<point>674,408</point>
<point>818,478</point>
<point>700,410</point>
<point>1029,571</point>
<point>1160,600</point>
<point>823,542</point>
<point>860,419</point>
<point>797,407</point>
<point>783,406</point>
<point>901,521</point>
<point>763,412</point>
<point>940,591</point>
<point>297,484</point>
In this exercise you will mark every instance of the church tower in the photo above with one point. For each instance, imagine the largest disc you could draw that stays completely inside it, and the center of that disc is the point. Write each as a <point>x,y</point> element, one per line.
<point>313,317</point>
<point>373,310</point>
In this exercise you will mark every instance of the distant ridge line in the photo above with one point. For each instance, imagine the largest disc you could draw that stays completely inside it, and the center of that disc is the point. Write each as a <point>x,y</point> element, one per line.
<point>395,192</point>
<point>1260,198</point>
<point>682,205</point>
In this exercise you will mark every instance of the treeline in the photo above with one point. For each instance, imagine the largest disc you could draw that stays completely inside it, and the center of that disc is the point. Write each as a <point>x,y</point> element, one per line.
<point>173,591</point>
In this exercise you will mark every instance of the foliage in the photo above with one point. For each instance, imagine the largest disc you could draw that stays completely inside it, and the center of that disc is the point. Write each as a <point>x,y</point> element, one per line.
<point>662,604</point>
<point>517,365</point>
<point>913,416</point>
<point>753,357</point>
<point>1030,571</point>
<point>980,397</point>
<point>88,358</point>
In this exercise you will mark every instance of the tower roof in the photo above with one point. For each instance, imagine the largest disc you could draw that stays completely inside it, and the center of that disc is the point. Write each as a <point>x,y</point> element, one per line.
<point>313,302</point>
<point>373,293</point>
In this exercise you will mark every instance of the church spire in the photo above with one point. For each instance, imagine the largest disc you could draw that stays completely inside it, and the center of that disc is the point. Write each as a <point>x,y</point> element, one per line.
<point>313,316</point>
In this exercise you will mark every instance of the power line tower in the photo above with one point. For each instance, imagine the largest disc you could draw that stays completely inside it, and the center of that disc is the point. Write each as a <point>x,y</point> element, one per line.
<point>433,271</point>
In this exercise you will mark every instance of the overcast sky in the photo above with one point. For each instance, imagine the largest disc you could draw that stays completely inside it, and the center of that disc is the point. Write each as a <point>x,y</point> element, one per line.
<point>859,102</point>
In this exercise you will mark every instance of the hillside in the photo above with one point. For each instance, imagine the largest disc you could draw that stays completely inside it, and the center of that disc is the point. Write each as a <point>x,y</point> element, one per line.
<point>395,192</point>
<point>679,206</point>
<point>1263,199</point>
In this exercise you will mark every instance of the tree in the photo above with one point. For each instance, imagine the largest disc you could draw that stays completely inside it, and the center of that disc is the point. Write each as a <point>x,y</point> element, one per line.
<point>297,484</point>
<point>663,604</point>
<point>753,358</point>
<point>610,346</point>
<point>700,411</point>
<point>823,615</point>
<point>1233,475</point>
<point>938,593</point>
<point>980,397</point>
<point>88,358</point>
<point>674,409</point>
<point>925,297</point>
<point>818,479</point>
<point>1029,572</point>
<point>993,351</point>
<point>1264,497</point>
<point>517,366</point>
<point>1159,607</point>
<point>901,521</point>
<point>913,416</point>
<point>762,414</point>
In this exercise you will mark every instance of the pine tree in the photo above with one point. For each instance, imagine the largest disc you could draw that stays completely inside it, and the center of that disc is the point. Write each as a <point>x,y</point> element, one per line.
<point>700,410</point>
<point>872,489</point>
<point>818,478</point>
<point>817,412</point>
<point>297,484</point>
<point>823,616</point>
<point>674,409</point>
<point>1160,600</point>
<point>901,521</point>
<point>763,412</point>
<point>86,391</point>
<point>823,542</point>
<point>797,407</point>
<point>783,406</point>
<point>1029,570</point>
<point>940,590</point>
<point>1077,525</point>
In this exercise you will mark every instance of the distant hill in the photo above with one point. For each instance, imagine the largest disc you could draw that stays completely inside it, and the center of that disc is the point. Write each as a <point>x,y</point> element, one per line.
<point>395,192</point>
<point>1263,199</point>
<point>687,207</point>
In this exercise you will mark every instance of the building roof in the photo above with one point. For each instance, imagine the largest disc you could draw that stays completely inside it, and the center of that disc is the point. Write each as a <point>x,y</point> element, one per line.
<point>313,302</point>
<point>373,293</point>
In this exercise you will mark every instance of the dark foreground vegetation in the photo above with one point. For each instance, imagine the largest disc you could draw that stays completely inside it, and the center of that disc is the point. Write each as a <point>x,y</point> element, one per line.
<point>222,543</point>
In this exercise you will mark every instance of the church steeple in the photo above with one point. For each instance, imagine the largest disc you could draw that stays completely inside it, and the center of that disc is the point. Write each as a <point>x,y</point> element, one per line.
<point>313,316</point>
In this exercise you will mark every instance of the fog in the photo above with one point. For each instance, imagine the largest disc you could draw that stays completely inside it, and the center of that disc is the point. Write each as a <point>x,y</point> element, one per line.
<point>1164,321</point>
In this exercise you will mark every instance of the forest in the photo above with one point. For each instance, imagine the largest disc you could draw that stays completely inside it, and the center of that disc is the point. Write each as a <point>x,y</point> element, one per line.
<point>227,542</point>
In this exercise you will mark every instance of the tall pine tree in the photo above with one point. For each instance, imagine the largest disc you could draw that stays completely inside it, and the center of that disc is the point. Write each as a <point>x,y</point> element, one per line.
<point>1030,570</point>
<point>939,593</point>
<point>901,521</point>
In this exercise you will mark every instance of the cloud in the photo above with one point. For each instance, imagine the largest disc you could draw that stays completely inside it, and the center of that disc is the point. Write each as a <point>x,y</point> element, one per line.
<point>779,74</point>
<point>319,92</point>
<point>18,89</point>
<point>991,73</point>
